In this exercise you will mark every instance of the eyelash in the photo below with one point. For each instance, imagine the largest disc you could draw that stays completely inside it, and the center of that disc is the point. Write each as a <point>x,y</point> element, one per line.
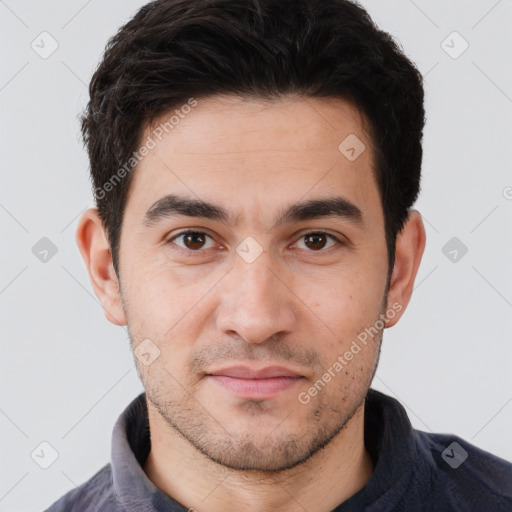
<point>190,252</point>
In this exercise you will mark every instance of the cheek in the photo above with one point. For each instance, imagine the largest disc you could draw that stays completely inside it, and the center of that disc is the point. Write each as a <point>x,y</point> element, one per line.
<point>355,293</point>
<point>154,306</point>
<point>169,310</point>
<point>347,306</point>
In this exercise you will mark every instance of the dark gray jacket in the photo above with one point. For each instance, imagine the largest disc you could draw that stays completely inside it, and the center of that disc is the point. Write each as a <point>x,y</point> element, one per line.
<point>414,471</point>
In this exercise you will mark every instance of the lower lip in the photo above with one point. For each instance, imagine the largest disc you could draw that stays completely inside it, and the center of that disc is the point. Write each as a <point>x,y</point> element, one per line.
<point>256,388</point>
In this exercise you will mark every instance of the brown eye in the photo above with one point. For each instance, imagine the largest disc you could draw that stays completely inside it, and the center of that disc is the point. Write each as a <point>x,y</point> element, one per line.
<point>192,240</point>
<point>317,241</point>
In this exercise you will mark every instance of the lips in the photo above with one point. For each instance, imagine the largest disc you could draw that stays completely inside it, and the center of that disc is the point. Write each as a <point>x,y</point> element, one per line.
<point>250,383</point>
<point>243,372</point>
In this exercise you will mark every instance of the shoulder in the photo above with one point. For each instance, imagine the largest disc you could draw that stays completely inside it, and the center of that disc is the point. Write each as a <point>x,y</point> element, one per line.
<point>96,494</point>
<point>465,477</point>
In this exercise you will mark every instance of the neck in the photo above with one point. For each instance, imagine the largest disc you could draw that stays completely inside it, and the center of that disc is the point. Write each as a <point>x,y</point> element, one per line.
<point>328,478</point>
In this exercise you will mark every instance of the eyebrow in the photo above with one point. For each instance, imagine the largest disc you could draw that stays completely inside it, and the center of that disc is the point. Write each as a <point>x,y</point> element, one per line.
<point>172,205</point>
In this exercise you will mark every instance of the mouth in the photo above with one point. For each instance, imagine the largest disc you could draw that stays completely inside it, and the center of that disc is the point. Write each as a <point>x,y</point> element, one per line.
<point>252,383</point>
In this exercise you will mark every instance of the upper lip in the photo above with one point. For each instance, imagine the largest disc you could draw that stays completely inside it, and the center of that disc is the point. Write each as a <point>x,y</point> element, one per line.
<point>245,372</point>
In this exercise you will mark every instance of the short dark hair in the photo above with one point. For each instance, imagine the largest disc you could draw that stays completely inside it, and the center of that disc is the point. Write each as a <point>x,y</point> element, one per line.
<point>172,50</point>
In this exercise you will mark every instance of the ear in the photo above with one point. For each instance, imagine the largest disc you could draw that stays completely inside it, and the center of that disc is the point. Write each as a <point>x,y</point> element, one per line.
<point>410,243</point>
<point>93,244</point>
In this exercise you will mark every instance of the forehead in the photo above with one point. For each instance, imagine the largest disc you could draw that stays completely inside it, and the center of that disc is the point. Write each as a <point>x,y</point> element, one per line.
<point>256,124</point>
<point>248,154</point>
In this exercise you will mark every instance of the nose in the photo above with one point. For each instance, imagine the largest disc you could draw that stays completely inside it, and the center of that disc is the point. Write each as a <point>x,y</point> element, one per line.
<point>256,303</point>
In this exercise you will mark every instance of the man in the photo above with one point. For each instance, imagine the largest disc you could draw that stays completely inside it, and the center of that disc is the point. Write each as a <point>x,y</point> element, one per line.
<point>254,166</point>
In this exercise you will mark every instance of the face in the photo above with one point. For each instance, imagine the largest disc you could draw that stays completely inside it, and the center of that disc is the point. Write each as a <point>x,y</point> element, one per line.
<point>248,321</point>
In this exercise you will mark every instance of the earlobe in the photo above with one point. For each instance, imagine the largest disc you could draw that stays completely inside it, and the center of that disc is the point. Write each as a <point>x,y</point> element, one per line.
<point>93,243</point>
<point>410,244</point>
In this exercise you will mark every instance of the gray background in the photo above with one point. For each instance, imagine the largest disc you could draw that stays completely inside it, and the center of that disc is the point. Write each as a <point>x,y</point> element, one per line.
<point>66,373</point>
